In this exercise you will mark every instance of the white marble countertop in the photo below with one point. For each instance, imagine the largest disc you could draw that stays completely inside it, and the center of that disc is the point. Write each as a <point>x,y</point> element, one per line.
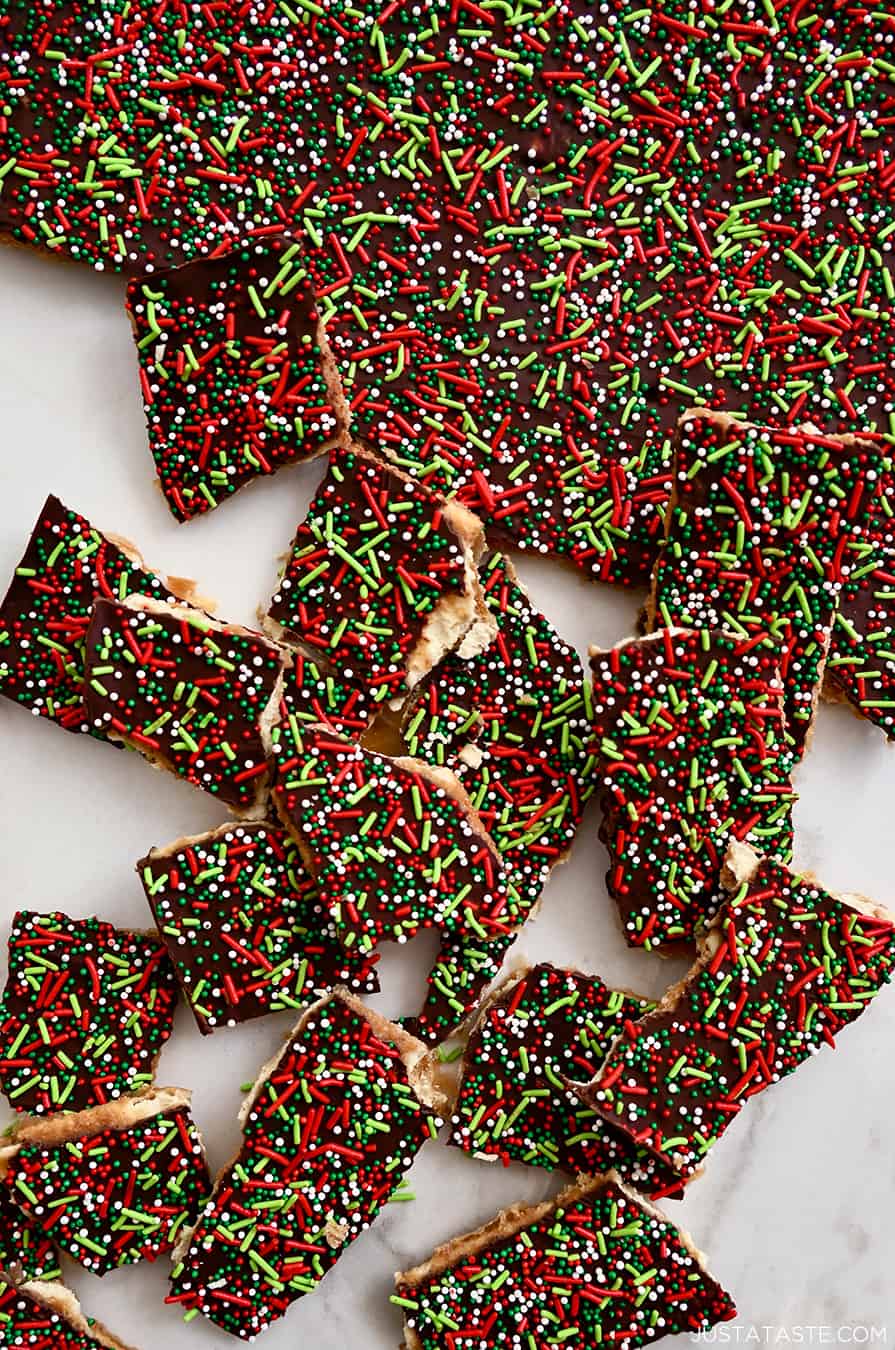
<point>795,1208</point>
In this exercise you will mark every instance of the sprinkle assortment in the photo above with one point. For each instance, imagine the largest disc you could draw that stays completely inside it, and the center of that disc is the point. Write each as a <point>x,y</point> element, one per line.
<point>594,1264</point>
<point>781,971</point>
<point>762,535</point>
<point>513,723</point>
<point>391,847</point>
<point>115,1197</point>
<point>314,695</point>
<point>26,1253</point>
<point>245,926</point>
<point>26,1323</point>
<point>85,1013</point>
<point>377,569</point>
<point>327,1137</point>
<point>538,234</point>
<point>189,693</point>
<point>231,371</point>
<point>535,1033</point>
<point>144,136</point>
<point>692,751</point>
<point>44,617</point>
<point>652,230</point>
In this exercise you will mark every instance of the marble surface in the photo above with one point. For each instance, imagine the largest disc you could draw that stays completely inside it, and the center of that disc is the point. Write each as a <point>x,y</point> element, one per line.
<point>795,1208</point>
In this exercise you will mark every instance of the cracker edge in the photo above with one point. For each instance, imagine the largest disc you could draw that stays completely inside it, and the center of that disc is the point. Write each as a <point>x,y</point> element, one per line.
<point>57,1298</point>
<point>453,616</point>
<point>122,1114</point>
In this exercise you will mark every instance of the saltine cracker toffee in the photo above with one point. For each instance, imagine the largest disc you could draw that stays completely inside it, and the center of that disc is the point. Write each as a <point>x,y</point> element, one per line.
<point>861,663</point>
<point>692,750</point>
<point>536,235</point>
<point>540,1029</point>
<point>85,1013</point>
<point>380,581</point>
<point>782,970</point>
<point>329,1129</point>
<point>761,535</point>
<point>231,371</point>
<point>191,694</point>
<point>46,612</point>
<point>310,693</point>
<point>610,283</point>
<point>245,926</point>
<point>596,1264</point>
<point>394,844</point>
<point>509,714</point>
<point>42,1315</point>
<point>112,1185</point>
<point>26,1252</point>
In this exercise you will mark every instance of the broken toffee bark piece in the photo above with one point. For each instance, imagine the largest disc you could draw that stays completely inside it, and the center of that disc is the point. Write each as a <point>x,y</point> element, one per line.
<point>329,1129</point>
<point>231,370</point>
<point>26,1252</point>
<point>44,617</point>
<point>85,1013</point>
<point>540,1029</point>
<point>509,714</point>
<point>112,1185</point>
<point>394,844</point>
<point>692,751</point>
<point>245,926</point>
<point>381,578</point>
<point>47,1316</point>
<point>463,968</point>
<point>597,1262</point>
<point>781,970</point>
<point>861,663</point>
<point>763,530</point>
<point>193,695</point>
